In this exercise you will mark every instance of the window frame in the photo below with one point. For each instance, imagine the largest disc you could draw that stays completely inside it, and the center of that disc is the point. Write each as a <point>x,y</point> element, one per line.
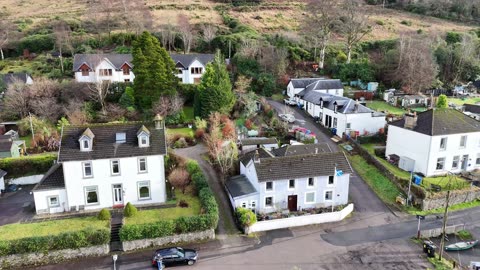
<point>464,138</point>
<point>90,163</point>
<point>269,190</point>
<point>308,182</point>
<point>334,123</point>
<point>438,162</point>
<point>314,197</point>
<point>243,204</point>
<point>139,166</point>
<point>333,180</point>
<point>141,184</point>
<point>86,196</point>
<point>53,205</point>
<point>252,204</point>
<point>290,181</point>
<point>477,159</point>
<point>458,162</point>
<point>126,70</point>
<point>105,72</point>
<point>111,167</point>
<point>348,126</point>
<point>325,196</point>
<point>85,72</point>
<point>265,201</point>
<point>445,139</point>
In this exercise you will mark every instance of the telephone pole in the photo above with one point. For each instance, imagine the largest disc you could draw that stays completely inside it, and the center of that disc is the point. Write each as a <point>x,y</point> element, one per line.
<point>442,241</point>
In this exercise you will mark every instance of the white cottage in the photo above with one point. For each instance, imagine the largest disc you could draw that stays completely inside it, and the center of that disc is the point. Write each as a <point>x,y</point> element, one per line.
<point>95,68</point>
<point>342,115</point>
<point>287,179</point>
<point>320,85</point>
<point>105,166</point>
<point>435,142</point>
<point>2,181</point>
<point>190,67</point>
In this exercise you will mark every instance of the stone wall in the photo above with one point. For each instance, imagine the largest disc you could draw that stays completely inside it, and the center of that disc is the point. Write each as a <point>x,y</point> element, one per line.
<point>438,231</point>
<point>456,197</point>
<point>31,259</point>
<point>173,239</point>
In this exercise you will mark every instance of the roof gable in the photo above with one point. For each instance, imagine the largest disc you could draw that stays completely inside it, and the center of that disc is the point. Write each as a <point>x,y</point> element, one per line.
<point>93,60</point>
<point>186,60</point>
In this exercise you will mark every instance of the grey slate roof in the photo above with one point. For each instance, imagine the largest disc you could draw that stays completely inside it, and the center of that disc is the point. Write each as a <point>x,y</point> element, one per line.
<point>303,82</point>
<point>239,186</point>
<point>104,145</point>
<point>256,141</point>
<point>262,153</point>
<point>5,146</point>
<point>2,173</point>
<point>53,179</point>
<point>292,150</point>
<point>92,60</point>
<point>442,122</point>
<point>325,85</point>
<point>301,166</point>
<point>344,105</point>
<point>472,108</point>
<point>9,78</point>
<point>187,59</point>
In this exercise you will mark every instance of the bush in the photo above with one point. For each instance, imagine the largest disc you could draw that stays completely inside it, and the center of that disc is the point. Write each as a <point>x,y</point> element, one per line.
<point>200,123</point>
<point>104,214</point>
<point>130,210</point>
<point>179,178</point>
<point>199,133</point>
<point>151,230</point>
<point>68,240</point>
<point>245,216</point>
<point>24,127</point>
<point>175,119</point>
<point>199,180</point>
<point>29,165</point>
<point>193,167</point>
<point>36,43</point>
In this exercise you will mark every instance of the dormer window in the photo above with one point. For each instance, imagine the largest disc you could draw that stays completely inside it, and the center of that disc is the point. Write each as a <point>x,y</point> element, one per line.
<point>86,145</point>
<point>86,140</point>
<point>143,135</point>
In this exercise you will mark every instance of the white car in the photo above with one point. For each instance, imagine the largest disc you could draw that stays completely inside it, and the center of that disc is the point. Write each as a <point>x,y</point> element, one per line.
<point>287,117</point>
<point>290,102</point>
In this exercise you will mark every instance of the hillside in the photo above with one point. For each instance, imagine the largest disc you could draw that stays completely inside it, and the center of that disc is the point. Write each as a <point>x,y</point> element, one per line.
<point>272,16</point>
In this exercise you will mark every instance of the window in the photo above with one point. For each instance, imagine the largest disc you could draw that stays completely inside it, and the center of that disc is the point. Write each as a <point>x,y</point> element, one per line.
<point>349,125</point>
<point>477,161</point>
<point>143,190</point>
<point>115,164</point>
<point>244,205</point>
<point>320,116</point>
<point>105,72</point>
<point>179,71</point>
<point>455,162</point>
<point>268,201</point>
<point>91,195</point>
<point>331,180</point>
<point>310,197</point>
<point>53,201</point>
<point>269,186</point>
<point>196,70</point>
<point>335,106</point>
<point>463,141</point>
<point>311,182</point>
<point>443,143</point>
<point>328,195</point>
<point>143,140</point>
<point>85,72</point>
<point>127,80</point>
<point>86,145</point>
<point>87,169</point>
<point>142,165</point>
<point>126,70</point>
<point>253,204</point>
<point>334,122</point>
<point>291,183</point>
<point>440,163</point>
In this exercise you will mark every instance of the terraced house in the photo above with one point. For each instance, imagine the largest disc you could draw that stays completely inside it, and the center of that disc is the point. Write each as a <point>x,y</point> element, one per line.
<point>105,166</point>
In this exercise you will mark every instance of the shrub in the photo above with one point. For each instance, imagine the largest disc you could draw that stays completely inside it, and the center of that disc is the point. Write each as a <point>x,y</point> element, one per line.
<point>180,143</point>
<point>193,167</point>
<point>24,125</point>
<point>152,230</point>
<point>29,165</point>
<point>199,180</point>
<point>127,99</point>
<point>104,214</point>
<point>175,119</point>
<point>245,216</point>
<point>200,123</point>
<point>130,210</point>
<point>179,178</point>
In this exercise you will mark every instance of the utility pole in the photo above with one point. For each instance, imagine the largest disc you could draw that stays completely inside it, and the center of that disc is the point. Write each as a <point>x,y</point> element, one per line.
<point>31,126</point>
<point>442,241</point>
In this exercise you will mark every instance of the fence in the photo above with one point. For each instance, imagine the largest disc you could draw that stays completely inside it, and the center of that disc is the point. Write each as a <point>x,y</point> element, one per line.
<point>299,221</point>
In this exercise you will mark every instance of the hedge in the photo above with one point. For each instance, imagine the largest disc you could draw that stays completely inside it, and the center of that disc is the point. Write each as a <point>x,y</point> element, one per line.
<point>29,165</point>
<point>68,240</point>
<point>207,220</point>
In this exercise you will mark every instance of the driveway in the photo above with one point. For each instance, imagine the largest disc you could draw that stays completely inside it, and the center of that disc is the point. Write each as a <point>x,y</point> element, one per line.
<point>16,206</point>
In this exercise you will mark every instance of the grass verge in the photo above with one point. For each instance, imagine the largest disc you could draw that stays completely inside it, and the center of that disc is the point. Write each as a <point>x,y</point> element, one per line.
<point>188,111</point>
<point>384,106</point>
<point>155,215</point>
<point>444,264</point>
<point>52,227</point>
<point>185,132</point>
<point>460,101</point>
<point>464,235</point>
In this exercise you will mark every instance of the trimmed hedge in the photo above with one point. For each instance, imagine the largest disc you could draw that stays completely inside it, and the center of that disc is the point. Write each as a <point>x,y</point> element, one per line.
<point>29,165</point>
<point>68,240</point>
<point>207,220</point>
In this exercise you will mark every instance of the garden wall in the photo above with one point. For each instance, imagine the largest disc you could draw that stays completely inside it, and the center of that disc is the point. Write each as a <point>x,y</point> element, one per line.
<point>173,239</point>
<point>26,180</point>
<point>438,231</point>
<point>29,260</point>
<point>456,197</point>
<point>282,223</point>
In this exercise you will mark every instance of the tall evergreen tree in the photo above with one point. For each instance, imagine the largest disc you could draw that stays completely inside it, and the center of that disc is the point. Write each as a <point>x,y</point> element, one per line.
<point>215,90</point>
<point>154,71</point>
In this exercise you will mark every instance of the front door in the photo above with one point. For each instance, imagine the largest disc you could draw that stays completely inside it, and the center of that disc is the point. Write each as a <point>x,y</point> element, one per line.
<point>328,121</point>
<point>292,202</point>
<point>464,162</point>
<point>117,194</point>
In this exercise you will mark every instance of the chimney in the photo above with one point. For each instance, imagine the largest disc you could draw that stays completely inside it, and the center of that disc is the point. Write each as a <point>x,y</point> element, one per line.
<point>410,120</point>
<point>159,124</point>
<point>256,157</point>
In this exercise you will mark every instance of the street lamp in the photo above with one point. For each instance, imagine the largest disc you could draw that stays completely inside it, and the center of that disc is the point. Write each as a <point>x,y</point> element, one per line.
<point>114,257</point>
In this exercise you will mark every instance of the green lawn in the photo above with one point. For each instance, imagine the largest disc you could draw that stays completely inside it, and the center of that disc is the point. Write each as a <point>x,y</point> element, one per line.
<point>378,105</point>
<point>186,132</point>
<point>456,183</point>
<point>53,227</point>
<point>458,101</point>
<point>385,189</point>
<point>278,97</point>
<point>188,111</point>
<point>154,215</point>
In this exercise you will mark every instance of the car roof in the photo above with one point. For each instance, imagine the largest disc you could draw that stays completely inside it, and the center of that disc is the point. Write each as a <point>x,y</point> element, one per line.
<point>167,251</point>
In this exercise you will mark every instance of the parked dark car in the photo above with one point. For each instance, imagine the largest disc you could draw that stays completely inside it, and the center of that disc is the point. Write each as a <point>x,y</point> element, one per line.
<point>174,256</point>
<point>11,188</point>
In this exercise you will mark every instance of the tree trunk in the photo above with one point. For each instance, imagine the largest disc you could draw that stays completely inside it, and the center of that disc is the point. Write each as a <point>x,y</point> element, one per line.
<point>321,63</point>
<point>1,54</point>
<point>349,54</point>
<point>61,61</point>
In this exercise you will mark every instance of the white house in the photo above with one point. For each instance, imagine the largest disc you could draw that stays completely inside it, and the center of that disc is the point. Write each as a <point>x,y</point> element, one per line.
<point>270,182</point>
<point>190,67</point>
<point>2,181</point>
<point>435,142</point>
<point>105,166</point>
<point>342,114</point>
<point>320,85</point>
<point>93,68</point>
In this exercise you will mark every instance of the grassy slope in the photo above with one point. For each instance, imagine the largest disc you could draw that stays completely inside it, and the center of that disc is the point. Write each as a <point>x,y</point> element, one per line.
<point>17,230</point>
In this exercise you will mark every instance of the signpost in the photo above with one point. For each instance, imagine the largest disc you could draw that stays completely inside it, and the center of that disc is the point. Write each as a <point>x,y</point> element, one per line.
<point>114,257</point>
<point>419,217</point>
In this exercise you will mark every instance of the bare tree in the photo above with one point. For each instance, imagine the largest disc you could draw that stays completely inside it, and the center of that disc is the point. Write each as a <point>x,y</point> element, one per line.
<point>75,113</point>
<point>168,105</point>
<point>16,100</point>
<point>62,32</point>
<point>105,13</point>
<point>43,99</point>
<point>319,24</point>
<point>168,33</point>
<point>8,34</point>
<point>136,16</point>
<point>209,32</point>
<point>98,92</point>
<point>354,25</point>
<point>179,178</point>
<point>186,32</point>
